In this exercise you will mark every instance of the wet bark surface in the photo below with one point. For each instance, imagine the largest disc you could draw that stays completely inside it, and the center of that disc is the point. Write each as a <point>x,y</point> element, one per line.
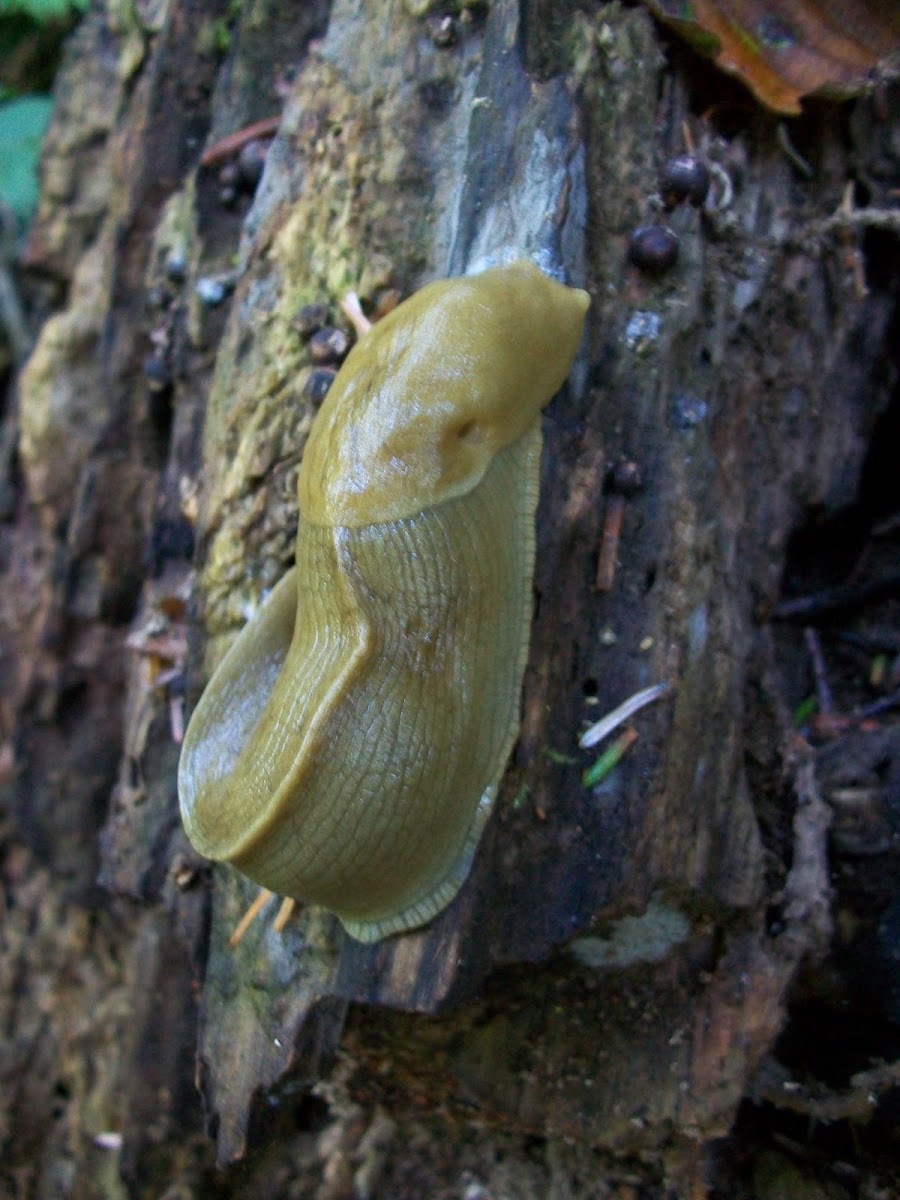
<point>626,976</point>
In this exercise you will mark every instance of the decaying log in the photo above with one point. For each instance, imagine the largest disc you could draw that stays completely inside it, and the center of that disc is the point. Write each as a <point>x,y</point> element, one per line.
<point>619,964</point>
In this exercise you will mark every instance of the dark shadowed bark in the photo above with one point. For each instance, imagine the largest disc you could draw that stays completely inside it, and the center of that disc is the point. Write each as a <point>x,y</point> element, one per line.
<point>611,982</point>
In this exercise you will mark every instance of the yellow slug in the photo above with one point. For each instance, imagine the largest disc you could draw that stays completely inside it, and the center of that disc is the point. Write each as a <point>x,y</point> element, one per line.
<point>348,749</point>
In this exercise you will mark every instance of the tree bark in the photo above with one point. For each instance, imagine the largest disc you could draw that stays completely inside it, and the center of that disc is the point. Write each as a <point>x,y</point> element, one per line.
<point>611,981</point>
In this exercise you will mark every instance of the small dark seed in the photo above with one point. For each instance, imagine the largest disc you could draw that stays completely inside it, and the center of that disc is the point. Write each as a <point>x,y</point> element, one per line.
<point>310,318</point>
<point>229,175</point>
<point>317,383</point>
<point>210,291</point>
<point>228,197</point>
<point>442,30</point>
<point>328,345</point>
<point>653,248</point>
<point>157,374</point>
<point>626,477</point>
<point>684,178</point>
<point>176,267</point>
<point>251,160</point>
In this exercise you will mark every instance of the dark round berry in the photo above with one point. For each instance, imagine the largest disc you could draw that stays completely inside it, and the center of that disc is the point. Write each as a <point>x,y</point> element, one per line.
<point>328,345</point>
<point>626,477</point>
<point>157,374</point>
<point>684,178</point>
<point>653,248</point>
<point>251,160</point>
<point>211,291</point>
<point>310,318</point>
<point>317,383</point>
<point>176,267</point>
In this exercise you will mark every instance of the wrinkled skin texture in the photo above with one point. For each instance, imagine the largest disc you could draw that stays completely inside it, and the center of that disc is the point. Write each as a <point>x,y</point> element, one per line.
<point>349,747</point>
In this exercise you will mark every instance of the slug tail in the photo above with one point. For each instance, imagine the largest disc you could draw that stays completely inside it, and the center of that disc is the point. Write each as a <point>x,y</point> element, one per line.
<point>427,906</point>
<point>480,722</point>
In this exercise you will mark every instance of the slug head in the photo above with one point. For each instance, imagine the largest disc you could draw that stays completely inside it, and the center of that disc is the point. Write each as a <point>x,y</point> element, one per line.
<point>426,399</point>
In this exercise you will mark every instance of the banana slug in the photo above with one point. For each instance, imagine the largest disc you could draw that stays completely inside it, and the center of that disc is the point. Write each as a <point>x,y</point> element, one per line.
<point>348,748</point>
